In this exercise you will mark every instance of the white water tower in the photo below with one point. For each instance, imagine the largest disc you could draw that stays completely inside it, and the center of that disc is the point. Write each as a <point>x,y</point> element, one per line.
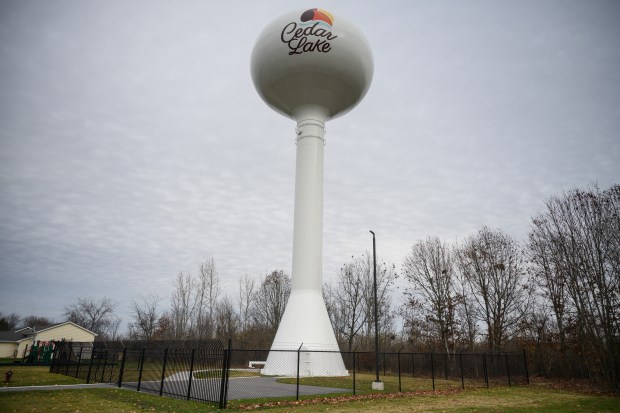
<point>311,66</point>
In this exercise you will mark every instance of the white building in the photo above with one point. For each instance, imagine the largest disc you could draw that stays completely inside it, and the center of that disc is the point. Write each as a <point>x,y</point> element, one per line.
<point>15,344</point>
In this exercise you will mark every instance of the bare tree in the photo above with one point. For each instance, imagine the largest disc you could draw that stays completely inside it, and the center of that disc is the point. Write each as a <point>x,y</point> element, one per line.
<point>183,306</point>
<point>9,322</point>
<point>350,303</point>
<point>165,328</point>
<point>546,267</point>
<point>347,303</point>
<point>576,244</point>
<point>271,299</point>
<point>193,303</point>
<point>206,294</point>
<point>37,321</point>
<point>226,319</point>
<point>416,328</point>
<point>96,315</point>
<point>492,263</point>
<point>537,331</point>
<point>247,289</point>
<point>329,297</point>
<point>430,270</point>
<point>466,310</point>
<point>386,276</point>
<point>145,317</point>
<point>114,325</point>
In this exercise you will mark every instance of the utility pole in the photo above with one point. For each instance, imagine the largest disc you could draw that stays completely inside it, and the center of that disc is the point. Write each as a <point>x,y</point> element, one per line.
<point>377,384</point>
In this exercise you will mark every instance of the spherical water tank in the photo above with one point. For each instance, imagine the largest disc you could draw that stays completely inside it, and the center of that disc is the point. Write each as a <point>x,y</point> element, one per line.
<point>310,61</point>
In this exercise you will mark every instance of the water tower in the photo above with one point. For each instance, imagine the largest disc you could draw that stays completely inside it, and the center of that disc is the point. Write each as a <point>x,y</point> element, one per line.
<point>311,66</point>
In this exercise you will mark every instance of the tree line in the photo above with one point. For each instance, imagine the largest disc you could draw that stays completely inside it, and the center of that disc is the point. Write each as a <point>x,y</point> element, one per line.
<point>557,295</point>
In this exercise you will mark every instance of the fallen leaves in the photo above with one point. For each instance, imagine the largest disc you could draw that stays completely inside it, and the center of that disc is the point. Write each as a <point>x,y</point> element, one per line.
<point>348,398</point>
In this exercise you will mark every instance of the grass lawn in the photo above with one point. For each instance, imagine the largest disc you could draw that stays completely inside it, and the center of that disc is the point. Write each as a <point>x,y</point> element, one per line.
<point>96,401</point>
<point>363,383</point>
<point>502,399</point>
<point>209,374</point>
<point>539,397</point>
<point>35,376</point>
<point>152,371</point>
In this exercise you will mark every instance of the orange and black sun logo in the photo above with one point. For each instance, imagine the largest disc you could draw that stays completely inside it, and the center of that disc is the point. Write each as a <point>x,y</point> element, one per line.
<point>317,15</point>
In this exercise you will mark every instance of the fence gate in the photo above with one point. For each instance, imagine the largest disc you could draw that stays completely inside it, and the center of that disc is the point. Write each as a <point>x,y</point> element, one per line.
<point>189,369</point>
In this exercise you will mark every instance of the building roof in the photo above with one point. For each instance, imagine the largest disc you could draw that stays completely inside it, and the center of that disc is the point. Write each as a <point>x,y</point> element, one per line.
<point>11,337</point>
<point>63,323</point>
<point>24,330</point>
<point>27,332</point>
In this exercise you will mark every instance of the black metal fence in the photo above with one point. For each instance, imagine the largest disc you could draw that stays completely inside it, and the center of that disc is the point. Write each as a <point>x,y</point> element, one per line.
<point>193,370</point>
<point>400,371</point>
<point>205,371</point>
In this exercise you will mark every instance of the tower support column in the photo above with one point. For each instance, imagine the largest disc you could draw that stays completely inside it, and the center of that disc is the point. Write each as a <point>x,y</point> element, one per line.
<point>308,221</point>
<point>305,321</point>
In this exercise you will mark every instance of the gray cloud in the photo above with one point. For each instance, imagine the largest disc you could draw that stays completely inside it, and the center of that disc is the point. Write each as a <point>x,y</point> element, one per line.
<point>133,145</point>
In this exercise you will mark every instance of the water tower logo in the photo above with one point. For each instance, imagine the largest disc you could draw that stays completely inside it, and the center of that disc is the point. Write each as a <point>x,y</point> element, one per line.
<point>312,34</point>
<point>318,15</point>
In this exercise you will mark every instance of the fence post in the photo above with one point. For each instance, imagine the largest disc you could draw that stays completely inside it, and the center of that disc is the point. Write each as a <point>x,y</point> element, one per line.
<point>59,364</point>
<point>77,371</point>
<point>191,374</point>
<point>508,370</point>
<point>68,362</point>
<point>120,373</point>
<point>141,367</point>
<point>354,368</point>
<point>445,364</point>
<point>90,366</point>
<point>59,361</point>
<point>412,365</point>
<point>223,377</point>
<point>298,356</point>
<point>433,369</point>
<point>105,361</point>
<point>228,357</point>
<point>462,377</point>
<point>400,388</point>
<point>527,374</point>
<point>224,382</point>
<point>163,372</point>
<point>112,367</point>
<point>384,363</point>
<point>484,366</point>
<point>52,362</point>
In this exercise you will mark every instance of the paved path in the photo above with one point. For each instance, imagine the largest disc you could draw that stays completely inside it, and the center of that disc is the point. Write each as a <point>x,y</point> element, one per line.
<point>238,387</point>
<point>257,387</point>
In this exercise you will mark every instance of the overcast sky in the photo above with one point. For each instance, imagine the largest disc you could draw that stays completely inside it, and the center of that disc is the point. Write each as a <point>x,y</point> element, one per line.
<point>133,145</point>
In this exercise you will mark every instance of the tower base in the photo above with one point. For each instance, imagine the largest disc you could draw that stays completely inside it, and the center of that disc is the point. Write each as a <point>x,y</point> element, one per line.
<point>305,343</point>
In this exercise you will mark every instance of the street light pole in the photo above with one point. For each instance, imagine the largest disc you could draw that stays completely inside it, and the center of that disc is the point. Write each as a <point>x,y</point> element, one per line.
<point>377,384</point>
